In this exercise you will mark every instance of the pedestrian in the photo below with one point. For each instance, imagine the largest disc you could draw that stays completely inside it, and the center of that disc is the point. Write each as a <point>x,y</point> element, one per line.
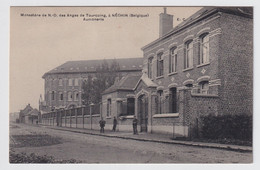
<point>114,124</point>
<point>102,124</point>
<point>135,121</point>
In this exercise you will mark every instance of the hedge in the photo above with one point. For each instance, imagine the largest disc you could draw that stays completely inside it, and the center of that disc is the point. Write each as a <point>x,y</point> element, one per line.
<point>227,127</point>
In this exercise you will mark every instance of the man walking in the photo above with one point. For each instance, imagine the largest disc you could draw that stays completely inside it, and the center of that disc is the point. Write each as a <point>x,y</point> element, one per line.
<point>135,121</point>
<point>114,124</point>
<point>102,124</point>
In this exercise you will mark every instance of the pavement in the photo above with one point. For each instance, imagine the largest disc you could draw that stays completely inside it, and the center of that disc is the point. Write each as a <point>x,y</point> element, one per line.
<point>149,137</point>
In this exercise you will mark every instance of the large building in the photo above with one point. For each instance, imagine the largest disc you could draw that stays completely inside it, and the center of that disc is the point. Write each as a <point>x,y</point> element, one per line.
<point>202,66</point>
<point>63,84</point>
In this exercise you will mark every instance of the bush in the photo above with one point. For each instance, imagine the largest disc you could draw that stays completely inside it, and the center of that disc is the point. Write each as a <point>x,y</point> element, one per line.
<point>227,127</point>
<point>32,158</point>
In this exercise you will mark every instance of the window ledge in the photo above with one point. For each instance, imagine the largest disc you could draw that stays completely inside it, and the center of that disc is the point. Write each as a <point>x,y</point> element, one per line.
<point>173,73</point>
<point>203,95</point>
<point>204,64</point>
<point>126,117</point>
<point>109,117</point>
<point>159,77</point>
<point>187,69</point>
<point>165,115</point>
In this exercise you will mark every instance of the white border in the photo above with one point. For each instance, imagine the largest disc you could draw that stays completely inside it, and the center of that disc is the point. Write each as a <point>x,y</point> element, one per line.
<point>4,51</point>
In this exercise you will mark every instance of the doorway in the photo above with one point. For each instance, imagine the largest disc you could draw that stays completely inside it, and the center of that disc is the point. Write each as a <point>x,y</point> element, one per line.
<point>143,112</point>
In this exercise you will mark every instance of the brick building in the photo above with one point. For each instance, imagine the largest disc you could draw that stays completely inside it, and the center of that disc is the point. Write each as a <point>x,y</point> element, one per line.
<point>63,84</point>
<point>202,66</point>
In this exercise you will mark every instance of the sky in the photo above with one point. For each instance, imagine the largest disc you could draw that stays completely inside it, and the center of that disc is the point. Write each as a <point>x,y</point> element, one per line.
<point>39,44</point>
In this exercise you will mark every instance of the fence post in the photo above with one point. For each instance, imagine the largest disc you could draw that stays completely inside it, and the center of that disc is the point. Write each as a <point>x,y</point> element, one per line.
<point>173,131</point>
<point>76,116</point>
<point>65,121</point>
<point>82,111</point>
<point>52,118</point>
<point>90,111</point>
<point>70,117</point>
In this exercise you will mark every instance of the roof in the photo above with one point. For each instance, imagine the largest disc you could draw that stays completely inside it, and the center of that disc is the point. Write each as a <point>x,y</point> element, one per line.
<point>82,66</point>
<point>128,82</point>
<point>26,110</point>
<point>203,13</point>
<point>34,112</point>
<point>147,81</point>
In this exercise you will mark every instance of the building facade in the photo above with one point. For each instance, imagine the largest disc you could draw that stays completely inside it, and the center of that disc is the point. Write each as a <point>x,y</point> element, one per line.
<point>202,66</point>
<point>63,84</point>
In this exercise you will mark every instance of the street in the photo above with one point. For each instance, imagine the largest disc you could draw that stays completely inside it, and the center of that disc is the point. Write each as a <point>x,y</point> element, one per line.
<point>99,149</point>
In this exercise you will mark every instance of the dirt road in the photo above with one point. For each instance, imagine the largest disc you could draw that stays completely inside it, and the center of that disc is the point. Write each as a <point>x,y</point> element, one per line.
<point>99,149</point>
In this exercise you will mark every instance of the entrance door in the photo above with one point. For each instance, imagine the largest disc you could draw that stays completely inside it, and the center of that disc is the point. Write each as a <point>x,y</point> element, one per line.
<point>143,112</point>
<point>173,100</point>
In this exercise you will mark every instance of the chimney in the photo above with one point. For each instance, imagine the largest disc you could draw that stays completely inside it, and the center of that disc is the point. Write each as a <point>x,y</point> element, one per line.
<point>166,23</point>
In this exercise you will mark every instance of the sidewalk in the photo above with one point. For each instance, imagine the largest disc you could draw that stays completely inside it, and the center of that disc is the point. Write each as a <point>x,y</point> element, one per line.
<point>148,137</point>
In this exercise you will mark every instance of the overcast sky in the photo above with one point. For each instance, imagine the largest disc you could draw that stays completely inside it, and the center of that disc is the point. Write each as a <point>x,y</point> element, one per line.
<point>39,44</point>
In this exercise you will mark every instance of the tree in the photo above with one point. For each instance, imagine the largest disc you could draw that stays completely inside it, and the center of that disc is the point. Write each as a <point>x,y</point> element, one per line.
<point>104,78</point>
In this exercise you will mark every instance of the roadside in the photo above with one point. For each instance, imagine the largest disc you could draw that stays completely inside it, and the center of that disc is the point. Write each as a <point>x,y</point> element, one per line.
<point>159,138</point>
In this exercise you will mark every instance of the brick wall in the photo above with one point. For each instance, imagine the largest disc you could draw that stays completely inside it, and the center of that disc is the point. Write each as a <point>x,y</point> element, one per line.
<point>236,65</point>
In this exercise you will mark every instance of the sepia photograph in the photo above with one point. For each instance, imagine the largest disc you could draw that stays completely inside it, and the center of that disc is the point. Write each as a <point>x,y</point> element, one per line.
<point>131,85</point>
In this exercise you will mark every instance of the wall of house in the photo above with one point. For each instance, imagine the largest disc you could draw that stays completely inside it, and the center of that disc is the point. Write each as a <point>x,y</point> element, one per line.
<point>236,64</point>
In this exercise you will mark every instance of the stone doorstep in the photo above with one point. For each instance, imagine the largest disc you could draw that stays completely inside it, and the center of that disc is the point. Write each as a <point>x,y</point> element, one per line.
<point>140,138</point>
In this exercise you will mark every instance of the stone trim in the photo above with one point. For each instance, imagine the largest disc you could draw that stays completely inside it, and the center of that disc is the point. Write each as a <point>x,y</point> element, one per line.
<point>187,38</point>
<point>166,115</point>
<point>202,31</point>
<point>203,78</point>
<point>189,81</point>
<point>172,85</point>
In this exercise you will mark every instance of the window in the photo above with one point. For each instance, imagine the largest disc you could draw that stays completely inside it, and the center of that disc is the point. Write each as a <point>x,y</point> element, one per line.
<point>173,60</point>
<point>60,82</point>
<point>188,55</point>
<point>130,106</point>
<point>61,96</point>
<point>70,82</point>
<point>52,95</point>
<point>203,87</point>
<point>160,98</point>
<point>70,97</point>
<point>150,60</point>
<point>159,64</point>
<point>76,82</point>
<point>204,49</point>
<point>76,96</point>
<point>108,107</point>
<point>189,85</point>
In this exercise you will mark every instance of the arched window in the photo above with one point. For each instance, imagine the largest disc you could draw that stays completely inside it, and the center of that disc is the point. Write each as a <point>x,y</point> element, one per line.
<point>188,54</point>
<point>76,82</point>
<point>173,60</point>
<point>109,107</point>
<point>160,101</point>
<point>52,95</point>
<point>149,67</point>
<point>76,96</point>
<point>70,97</point>
<point>70,82</point>
<point>204,49</point>
<point>204,87</point>
<point>159,64</point>
<point>61,96</point>
<point>60,82</point>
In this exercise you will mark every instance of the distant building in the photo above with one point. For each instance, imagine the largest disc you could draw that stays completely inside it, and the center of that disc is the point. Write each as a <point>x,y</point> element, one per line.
<point>24,112</point>
<point>13,117</point>
<point>63,84</point>
<point>202,66</point>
